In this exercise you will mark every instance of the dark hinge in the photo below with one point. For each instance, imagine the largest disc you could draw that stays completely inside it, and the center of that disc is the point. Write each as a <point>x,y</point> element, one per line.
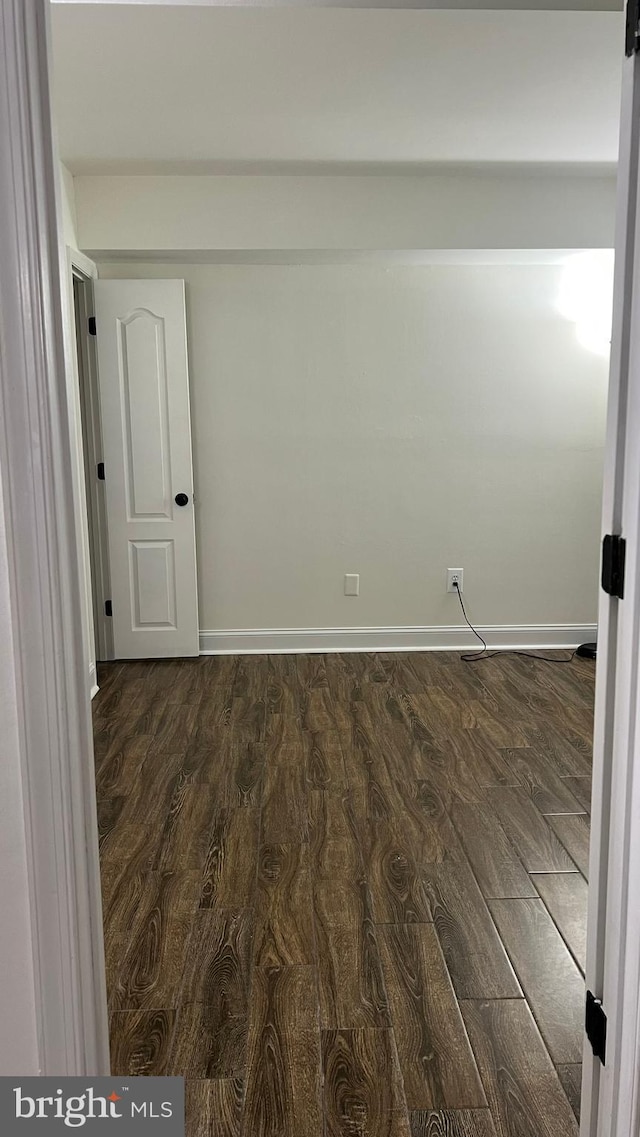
<point>100,471</point>
<point>633,27</point>
<point>108,608</point>
<point>92,325</point>
<point>596,1026</point>
<point>613,552</point>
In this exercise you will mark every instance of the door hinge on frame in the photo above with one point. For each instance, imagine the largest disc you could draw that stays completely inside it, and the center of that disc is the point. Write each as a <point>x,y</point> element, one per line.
<point>92,325</point>
<point>108,608</point>
<point>100,471</point>
<point>632,42</point>
<point>613,556</point>
<point>595,1026</point>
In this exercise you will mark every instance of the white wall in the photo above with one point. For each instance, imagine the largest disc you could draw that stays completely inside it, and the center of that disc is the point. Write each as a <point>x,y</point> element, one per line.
<point>18,1041</point>
<point>390,421</point>
<point>69,220</point>
<point>460,211</point>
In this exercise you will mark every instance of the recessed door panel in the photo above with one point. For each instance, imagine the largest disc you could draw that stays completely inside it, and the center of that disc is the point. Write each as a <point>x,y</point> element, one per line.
<point>153,584</point>
<point>145,397</point>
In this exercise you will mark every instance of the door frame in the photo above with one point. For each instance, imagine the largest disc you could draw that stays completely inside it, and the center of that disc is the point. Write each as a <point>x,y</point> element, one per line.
<point>611,1092</point>
<point>51,689</point>
<point>52,696</point>
<point>82,273</point>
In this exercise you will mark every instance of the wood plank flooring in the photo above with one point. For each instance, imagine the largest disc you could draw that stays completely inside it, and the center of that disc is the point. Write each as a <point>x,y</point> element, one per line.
<point>345,895</point>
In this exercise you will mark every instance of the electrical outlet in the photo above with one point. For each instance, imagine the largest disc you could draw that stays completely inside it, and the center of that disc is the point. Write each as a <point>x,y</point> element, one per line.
<point>352,584</point>
<point>455,576</point>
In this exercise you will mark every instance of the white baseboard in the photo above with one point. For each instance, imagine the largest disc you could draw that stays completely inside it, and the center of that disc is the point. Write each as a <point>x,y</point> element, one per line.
<point>258,641</point>
<point>93,680</point>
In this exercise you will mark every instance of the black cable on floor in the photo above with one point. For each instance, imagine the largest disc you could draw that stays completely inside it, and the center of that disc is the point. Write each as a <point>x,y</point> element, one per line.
<point>484,653</point>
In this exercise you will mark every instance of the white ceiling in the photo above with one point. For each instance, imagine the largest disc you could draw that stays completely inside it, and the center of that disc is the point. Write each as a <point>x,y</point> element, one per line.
<point>215,89</point>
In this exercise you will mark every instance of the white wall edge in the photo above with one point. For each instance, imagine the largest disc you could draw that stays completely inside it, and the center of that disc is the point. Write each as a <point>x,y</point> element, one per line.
<point>347,257</point>
<point>260,641</point>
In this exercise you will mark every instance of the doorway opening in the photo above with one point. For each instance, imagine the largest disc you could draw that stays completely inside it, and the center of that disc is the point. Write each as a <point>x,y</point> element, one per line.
<point>92,462</point>
<point>435,814</point>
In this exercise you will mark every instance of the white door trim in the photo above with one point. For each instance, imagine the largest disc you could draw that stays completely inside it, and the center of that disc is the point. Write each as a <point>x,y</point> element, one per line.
<point>53,702</point>
<point>610,1092</point>
<point>89,439</point>
<point>82,263</point>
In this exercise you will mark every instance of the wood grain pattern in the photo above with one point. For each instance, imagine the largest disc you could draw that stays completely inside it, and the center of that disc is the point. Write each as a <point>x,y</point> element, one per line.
<point>284,1068</point>
<point>351,985</point>
<point>548,791</point>
<point>560,746</point>
<point>494,862</point>
<point>475,956</point>
<point>316,714</point>
<point>120,756</point>
<point>284,907</point>
<point>550,979</point>
<point>209,735</point>
<point>350,981</point>
<point>341,891</point>
<point>202,1049</point>
<point>298,854</point>
<point>188,820</point>
<point>574,835</point>
<point>229,871</point>
<point>214,1108</point>
<point>429,825</point>
<point>397,891</point>
<point>581,790</point>
<point>136,840</point>
<point>140,1042</point>
<point>335,816</point>
<point>536,844</point>
<point>234,769</point>
<point>522,1087</point>
<point>325,760</point>
<point>149,976</point>
<point>109,810</point>
<point>565,896</point>
<point>451,766</point>
<point>284,806</point>
<point>452,1123</point>
<point>571,1078</point>
<point>436,1061</point>
<point>362,1083</point>
<point>215,968</point>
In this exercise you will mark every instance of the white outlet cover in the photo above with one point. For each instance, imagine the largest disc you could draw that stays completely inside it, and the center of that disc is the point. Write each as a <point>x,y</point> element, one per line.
<point>352,584</point>
<point>455,574</point>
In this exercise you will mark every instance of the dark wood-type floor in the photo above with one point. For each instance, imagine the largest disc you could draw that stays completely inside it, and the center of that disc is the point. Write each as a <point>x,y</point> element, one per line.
<point>345,894</point>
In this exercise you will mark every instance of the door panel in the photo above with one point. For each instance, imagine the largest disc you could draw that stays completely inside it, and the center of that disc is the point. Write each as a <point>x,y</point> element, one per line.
<point>144,398</point>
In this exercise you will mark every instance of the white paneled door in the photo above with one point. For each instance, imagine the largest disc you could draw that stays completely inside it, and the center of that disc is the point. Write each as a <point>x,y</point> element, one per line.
<point>146,429</point>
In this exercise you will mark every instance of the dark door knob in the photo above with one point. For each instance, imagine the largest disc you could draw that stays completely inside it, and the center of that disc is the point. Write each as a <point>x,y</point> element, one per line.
<point>182,499</point>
